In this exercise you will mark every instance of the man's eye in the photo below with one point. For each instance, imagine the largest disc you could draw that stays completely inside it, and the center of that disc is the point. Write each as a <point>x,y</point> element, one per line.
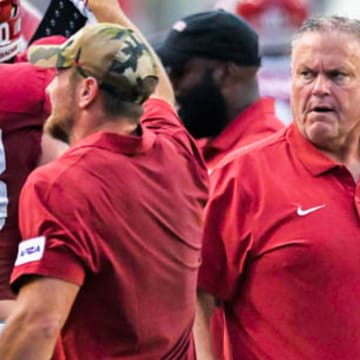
<point>306,74</point>
<point>338,76</point>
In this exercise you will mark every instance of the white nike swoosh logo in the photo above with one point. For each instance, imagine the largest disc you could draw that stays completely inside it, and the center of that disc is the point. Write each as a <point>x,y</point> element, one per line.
<point>302,212</point>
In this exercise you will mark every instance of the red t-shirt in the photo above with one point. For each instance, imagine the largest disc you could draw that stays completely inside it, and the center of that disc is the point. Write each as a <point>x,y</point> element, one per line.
<point>121,216</point>
<point>255,123</point>
<point>23,109</point>
<point>281,250</point>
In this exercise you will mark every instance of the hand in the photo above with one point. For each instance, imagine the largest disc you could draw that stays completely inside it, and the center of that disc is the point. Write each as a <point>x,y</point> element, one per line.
<point>101,5</point>
<point>103,9</point>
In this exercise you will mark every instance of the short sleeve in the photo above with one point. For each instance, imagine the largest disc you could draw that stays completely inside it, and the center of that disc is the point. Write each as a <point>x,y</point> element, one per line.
<point>161,118</point>
<point>160,115</point>
<point>54,242</point>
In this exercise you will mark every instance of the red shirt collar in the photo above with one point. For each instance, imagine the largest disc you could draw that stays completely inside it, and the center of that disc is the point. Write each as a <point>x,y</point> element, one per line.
<point>245,123</point>
<point>311,157</point>
<point>126,144</point>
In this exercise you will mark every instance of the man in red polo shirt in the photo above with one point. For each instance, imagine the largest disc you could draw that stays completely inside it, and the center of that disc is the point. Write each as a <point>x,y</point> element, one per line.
<point>213,59</point>
<point>24,108</point>
<point>108,266</point>
<point>281,239</point>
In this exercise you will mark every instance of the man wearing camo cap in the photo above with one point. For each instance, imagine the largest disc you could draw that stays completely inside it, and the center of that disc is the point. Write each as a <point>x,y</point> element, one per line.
<point>111,230</point>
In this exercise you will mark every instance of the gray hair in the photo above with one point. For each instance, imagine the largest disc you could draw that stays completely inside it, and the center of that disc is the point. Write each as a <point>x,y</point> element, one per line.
<point>329,24</point>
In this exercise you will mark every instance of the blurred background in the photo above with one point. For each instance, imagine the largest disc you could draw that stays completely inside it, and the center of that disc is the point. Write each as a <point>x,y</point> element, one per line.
<point>274,20</point>
<point>154,16</point>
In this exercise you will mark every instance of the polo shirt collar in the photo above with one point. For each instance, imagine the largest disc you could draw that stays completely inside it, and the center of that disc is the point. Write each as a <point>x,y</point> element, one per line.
<point>242,124</point>
<point>125,144</point>
<point>312,158</point>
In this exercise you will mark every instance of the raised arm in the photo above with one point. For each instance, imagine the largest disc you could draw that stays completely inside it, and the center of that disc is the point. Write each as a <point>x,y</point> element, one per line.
<point>110,11</point>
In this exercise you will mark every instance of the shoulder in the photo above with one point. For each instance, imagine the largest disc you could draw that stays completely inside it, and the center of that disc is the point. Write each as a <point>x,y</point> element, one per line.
<point>21,77</point>
<point>25,87</point>
<point>19,69</point>
<point>261,151</point>
<point>242,176</point>
<point>73,163</point>
<point>61,173</point>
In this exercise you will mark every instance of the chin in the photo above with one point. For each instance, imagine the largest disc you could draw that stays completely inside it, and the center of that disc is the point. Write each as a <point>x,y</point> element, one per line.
<point>320,134</point>
<point>54,129</point>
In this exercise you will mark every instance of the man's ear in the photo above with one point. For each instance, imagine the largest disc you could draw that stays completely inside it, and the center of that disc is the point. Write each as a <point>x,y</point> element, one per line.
<point>88,91</point>
<point>223,73</point>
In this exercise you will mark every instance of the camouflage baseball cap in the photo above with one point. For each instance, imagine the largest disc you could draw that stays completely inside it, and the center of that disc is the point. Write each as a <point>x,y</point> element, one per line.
<point>118,59</point>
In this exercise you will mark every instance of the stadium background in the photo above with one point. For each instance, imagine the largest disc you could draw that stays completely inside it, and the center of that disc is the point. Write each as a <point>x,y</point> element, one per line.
<point>155,16</point>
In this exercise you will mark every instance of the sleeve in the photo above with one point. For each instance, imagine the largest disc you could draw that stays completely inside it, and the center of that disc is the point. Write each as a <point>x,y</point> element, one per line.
<point>161,116</point>
<point>55,238</point>
<point>227,239</point>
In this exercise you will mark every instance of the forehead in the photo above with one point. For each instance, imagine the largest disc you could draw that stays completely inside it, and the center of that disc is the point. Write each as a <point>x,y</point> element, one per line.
<point>326,48</point>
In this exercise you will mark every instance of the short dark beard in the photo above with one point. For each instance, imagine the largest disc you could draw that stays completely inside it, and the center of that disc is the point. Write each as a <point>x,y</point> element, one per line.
<point>203,110</point>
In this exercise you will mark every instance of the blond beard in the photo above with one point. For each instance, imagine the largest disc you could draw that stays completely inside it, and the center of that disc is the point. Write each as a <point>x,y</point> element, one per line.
<point>54,128</point>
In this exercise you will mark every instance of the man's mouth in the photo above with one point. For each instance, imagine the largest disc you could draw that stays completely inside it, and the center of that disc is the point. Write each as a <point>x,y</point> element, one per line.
<point>322,109</point>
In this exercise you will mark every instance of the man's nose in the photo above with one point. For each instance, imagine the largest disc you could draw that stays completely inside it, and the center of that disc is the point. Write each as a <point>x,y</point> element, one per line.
<point>321,85</point>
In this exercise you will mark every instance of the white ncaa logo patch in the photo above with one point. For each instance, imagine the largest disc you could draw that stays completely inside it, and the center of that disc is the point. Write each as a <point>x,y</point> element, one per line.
<point>30,250</point>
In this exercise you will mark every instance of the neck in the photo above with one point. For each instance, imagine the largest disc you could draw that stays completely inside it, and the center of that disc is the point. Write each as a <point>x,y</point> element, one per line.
<point>89,125</point>
<point>240,98</point>
<point>354,169</point>
<point>350,158</point>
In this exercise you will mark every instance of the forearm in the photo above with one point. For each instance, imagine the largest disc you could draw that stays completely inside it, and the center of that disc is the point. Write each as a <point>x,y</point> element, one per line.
<point>203,339</point>
<point>25,339</point>
<point>42,307</point>
<point>6,308</point>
